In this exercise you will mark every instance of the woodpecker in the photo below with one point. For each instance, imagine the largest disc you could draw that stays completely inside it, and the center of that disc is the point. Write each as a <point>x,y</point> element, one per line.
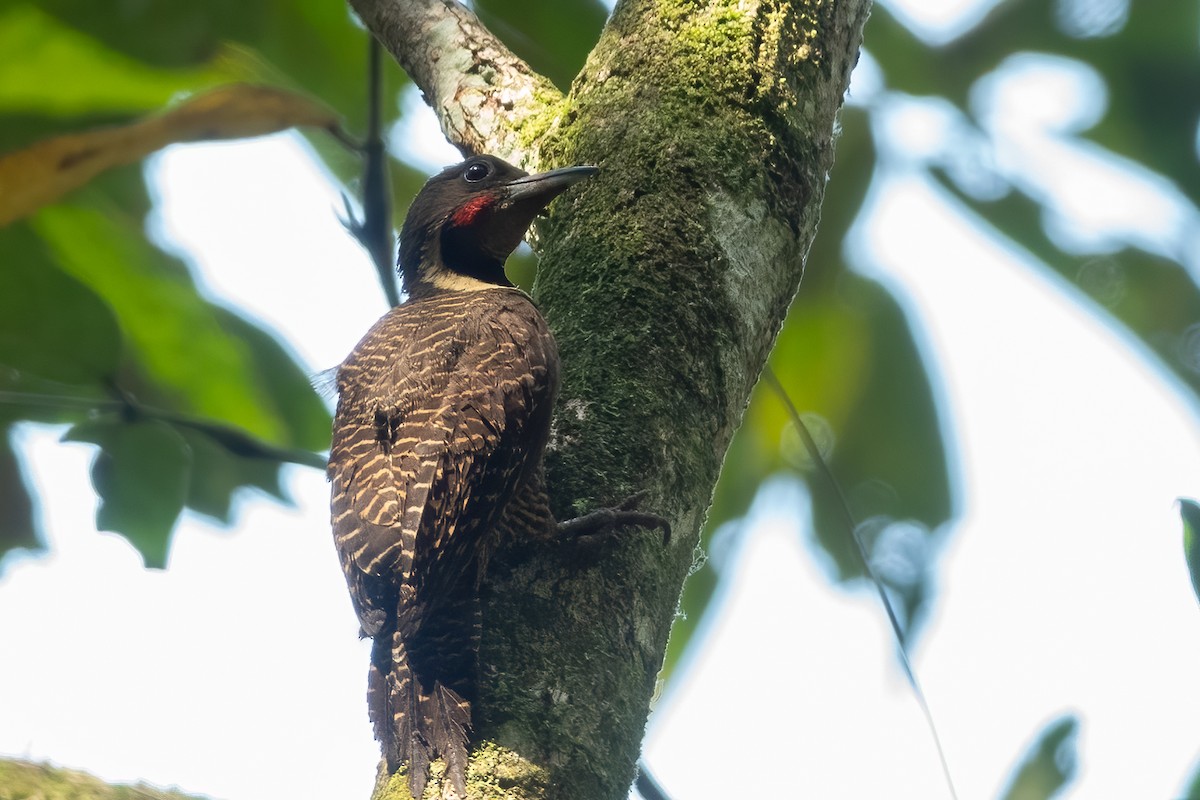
<point>443,415</point>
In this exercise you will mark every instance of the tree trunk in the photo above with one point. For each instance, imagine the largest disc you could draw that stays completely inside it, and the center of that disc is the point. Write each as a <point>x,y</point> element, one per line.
<point>665,280</point>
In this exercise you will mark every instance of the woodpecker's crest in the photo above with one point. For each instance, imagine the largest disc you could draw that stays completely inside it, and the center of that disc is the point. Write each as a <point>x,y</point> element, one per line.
<point>469,218</point>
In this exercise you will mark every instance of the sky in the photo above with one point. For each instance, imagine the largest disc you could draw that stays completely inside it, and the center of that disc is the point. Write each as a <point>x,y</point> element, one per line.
<point>1062,588</point>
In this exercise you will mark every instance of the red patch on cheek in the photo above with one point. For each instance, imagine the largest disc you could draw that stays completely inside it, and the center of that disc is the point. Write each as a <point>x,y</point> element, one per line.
<point>468,213</point>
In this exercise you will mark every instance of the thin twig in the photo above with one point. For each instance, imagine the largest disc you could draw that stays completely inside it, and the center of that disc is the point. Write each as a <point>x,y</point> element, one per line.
<point>374,230</point>
<point>814,452</point>
<point>377,191</point>
<point>647,787</point>
<point>236,441</point>
<point>345,139</point>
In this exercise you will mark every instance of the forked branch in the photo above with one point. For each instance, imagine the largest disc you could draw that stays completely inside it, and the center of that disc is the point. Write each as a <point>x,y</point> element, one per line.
<point>485,97</point>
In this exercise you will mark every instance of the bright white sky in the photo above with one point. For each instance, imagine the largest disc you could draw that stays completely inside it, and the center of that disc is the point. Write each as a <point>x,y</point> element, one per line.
<point>1063,588</point>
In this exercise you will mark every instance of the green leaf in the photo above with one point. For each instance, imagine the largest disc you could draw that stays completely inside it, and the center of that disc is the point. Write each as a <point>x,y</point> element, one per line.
<point>1189,510</point>
<point>186,32</point>
<point>846,352</point>
<point>1148,68</point>
<point>888,452</point>
<point>1049,764</point>
<point>237,443</point>
<point>48,67</point>
<point>217,475</point>
<point>1153,101</point>
<point>51,325</point>
<point>287,391</point>
<point>141,475</point>
<point>177,339</point>
<point>313,46</point>
<point>316,47</point>
<point>17,526</point>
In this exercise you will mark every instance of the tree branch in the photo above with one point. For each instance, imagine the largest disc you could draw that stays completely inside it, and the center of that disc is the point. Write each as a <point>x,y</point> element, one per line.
<point>486,99</point>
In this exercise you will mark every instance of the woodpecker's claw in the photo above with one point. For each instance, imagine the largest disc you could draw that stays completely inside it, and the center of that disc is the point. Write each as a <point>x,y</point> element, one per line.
<point>622,515</point>
<point>633,501</point>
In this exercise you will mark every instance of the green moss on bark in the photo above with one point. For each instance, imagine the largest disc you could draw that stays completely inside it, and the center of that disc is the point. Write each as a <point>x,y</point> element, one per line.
<point>676,104</point>
<point>691,110</point>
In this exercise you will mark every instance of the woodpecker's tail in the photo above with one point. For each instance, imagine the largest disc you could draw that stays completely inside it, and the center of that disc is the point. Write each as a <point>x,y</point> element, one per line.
<point>420,690</point>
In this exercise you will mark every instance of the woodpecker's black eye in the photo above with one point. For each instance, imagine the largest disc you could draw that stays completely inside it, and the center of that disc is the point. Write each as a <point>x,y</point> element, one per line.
<point>477,172</point>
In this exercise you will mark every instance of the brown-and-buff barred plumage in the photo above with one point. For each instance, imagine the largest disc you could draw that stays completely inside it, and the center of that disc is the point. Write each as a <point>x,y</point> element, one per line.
<point>443,414</point>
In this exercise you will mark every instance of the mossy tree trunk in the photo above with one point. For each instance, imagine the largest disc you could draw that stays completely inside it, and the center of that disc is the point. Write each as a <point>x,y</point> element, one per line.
<point>665,280</point>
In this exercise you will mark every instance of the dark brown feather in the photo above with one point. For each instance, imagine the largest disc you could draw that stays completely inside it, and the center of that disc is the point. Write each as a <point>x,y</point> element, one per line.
<point>443,413</point>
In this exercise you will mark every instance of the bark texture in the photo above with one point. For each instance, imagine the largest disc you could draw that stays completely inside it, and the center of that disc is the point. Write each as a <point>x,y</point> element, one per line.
<point>665,280</point>
<point>486,99</point>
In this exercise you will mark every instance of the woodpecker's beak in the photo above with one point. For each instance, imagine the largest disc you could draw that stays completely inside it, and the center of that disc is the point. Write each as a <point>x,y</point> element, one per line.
<point>501,225</point>
<point>545,186</point>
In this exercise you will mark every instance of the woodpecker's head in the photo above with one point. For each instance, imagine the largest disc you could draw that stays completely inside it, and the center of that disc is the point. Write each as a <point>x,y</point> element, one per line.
<point>469,218</point>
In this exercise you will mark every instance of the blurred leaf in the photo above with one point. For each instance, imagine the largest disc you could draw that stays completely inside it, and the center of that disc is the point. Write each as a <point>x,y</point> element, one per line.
<point>176,338</point>
<point>236,399</point>
<point>1154,101</point>
<point>45,171</point>
<point>217,474</point>
<point>17,525</point>
<point>1148,68</point>
<point>889,453</point>
<point>1192,792</point>
<point>237,443</point>
<point>178,33</point>
<point>1153,298</point>
<point>845,352</point>
<point>288,389</point>
<point>49,68</point>
<point>554,36</point>
<point>51,325</point>
<point>1190,512</point>
<point>317,47</point>
<point>19,129</point>
<point>1048,765</point>
<point>309,45</point>
<point>754,452</point>
<point>141,475</point>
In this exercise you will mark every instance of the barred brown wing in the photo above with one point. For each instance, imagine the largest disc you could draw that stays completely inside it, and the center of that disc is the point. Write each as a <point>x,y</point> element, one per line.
<point>441,405</point>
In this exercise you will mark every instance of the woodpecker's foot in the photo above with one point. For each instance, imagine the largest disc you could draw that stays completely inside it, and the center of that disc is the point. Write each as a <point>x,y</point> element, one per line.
<point>604,521</point>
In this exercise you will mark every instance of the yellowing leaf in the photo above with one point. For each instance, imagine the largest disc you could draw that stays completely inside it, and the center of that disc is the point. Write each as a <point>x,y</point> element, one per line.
<point>44,172</point>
